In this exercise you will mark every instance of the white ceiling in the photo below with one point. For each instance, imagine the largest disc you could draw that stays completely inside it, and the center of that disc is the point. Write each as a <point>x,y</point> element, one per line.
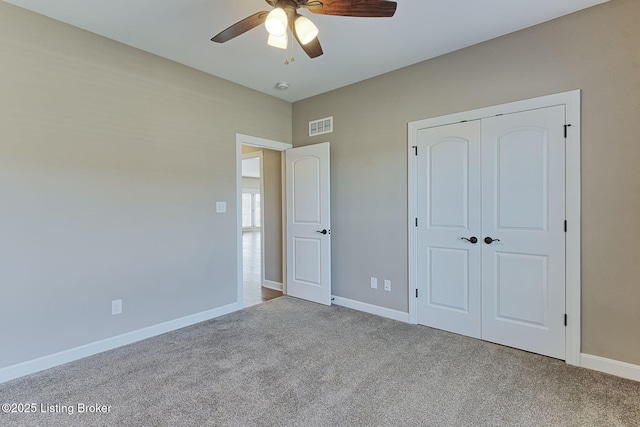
<point>354,48</point>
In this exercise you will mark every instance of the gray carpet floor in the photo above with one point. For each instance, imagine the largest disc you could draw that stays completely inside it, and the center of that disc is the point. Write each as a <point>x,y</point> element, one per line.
<point>292,363</point>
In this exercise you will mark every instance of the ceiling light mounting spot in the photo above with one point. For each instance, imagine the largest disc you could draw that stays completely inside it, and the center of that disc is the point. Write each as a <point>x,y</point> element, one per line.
<point>282,85</point>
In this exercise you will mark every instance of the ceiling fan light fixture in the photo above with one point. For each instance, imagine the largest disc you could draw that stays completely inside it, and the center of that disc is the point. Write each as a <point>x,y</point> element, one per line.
<point>305,29</point>
<point>280,42</point>
<point>276,22</point>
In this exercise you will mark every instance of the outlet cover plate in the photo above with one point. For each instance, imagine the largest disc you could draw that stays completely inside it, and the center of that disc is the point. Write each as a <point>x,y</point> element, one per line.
<point>116,306</point>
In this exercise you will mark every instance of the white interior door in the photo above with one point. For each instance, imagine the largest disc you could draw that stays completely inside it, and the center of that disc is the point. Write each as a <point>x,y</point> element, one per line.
<point>448,204</point>
<point>523,196</point>
<point>501,180</point>
<point>308,223</point>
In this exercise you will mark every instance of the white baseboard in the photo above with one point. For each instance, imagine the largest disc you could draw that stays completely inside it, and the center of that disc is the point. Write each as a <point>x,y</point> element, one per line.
<point>610,366</point>
<point>49,361</point>
<point>588,361</point>
<point>370,308</point>
<point>272,285</point>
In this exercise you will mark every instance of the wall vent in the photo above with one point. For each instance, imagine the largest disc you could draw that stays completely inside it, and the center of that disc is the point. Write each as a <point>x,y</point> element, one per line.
<point>318,127</point>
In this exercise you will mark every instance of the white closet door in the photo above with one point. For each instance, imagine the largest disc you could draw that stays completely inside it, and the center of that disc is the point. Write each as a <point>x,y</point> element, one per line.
<point>501,180</point>
<point>523,196</point>
<point>449,212</point>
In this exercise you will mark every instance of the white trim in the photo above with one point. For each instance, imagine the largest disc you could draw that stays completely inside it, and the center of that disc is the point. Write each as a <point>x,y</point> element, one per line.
<point>573,203</point>
<point>371,309</point>
<point>255,142</point>
<point>262,142</point>
<point>31,366</point>
<point>283,208</point>
<point>571,101</point>
<point>270,284</point>
<point>412,212</point>
<point>563,98</point>
<point>610,366</point>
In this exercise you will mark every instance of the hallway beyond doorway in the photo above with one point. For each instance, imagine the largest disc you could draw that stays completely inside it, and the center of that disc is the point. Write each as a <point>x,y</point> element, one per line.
<point>253,292</point>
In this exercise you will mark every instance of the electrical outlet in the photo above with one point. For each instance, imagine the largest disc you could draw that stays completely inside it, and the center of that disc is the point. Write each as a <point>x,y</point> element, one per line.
<point>387,285</point>
<point>116,306</point>
<point>374,283</point>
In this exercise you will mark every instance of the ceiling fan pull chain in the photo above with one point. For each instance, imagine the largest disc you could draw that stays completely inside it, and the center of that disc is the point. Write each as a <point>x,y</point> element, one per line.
<point>292,58</point>
<point>286,61</point>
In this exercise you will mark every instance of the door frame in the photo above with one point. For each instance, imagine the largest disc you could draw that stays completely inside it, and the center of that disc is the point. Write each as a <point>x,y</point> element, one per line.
<point>571,100</point>
<point>254,141</point>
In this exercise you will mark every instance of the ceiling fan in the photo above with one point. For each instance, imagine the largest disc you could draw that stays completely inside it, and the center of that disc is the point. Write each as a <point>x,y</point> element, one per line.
<point>285,16</point>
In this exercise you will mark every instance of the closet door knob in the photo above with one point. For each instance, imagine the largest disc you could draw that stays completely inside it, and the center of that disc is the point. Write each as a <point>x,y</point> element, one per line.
<point>473,239</point>
<point>489,240</point>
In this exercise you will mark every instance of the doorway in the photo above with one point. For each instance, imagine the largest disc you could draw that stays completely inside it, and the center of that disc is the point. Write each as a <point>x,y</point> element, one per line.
<point>253,274</point>
<point>259,219</point>
<point>471,304</point>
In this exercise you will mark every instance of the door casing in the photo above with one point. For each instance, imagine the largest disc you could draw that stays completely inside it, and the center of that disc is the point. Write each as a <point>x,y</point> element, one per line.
<point>571,101</point>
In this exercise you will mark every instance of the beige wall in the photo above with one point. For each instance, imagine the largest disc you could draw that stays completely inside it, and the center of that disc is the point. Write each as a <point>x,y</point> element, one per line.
<point>111,161</point>
<point>596,50</point>
<point>272,211</point>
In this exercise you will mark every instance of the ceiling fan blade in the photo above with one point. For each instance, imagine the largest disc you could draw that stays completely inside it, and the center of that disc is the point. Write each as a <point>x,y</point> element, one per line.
<point>313,48</point>
<point>359,8</point>
<point>241,27</point>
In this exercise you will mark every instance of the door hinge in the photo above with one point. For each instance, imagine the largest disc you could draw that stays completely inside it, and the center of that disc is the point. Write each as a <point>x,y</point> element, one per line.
<point>415,149</point>
<point>565,225</point>
<point>416,293</point>
<point>416,222</point>
<point>566,127</point>
<point>565,319</point>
